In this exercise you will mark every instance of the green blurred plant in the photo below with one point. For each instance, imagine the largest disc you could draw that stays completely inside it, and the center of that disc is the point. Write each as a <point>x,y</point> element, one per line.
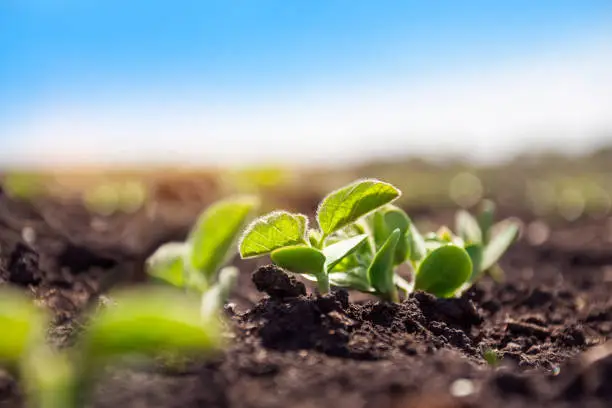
<point>199,264</point>
<point>485,241</point>
<point>145,322</point>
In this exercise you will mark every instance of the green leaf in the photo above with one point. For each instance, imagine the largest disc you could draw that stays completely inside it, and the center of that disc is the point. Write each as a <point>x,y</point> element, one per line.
<point>336,252</point>
<point>380,272</point>
<point>300,259</point>
<point>351,281</point>
<point>467,227</point>
<point>396,218</point>
<point>314,237</point>
<point>167,263</point>
<point>275,230</point>
<point>214,237</point>
<point>475,251</point>
<point>444,271</point>
<point>147,321</point>
<point>417,249</point>
<point>485,219</point>
<point>215,297</point>
<point>347,204</point>
<point>498,245</point>
<point>380,231</point>
<point>21,323</point>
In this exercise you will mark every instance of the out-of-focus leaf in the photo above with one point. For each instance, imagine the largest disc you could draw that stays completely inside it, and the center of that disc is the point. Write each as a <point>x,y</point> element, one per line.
<point>444,271</point>
<point>336,252</point>
<point>347,204</point>
<point>50,379</point>
<point>467,227</point>
<point>216,296</point>
<point>380,272</point>
<point>300,259</point>
<point>275,230</point>
<point>167,263</point>
<point>498,245</point>
<point>214,236</point>
<point>21,323</point>
<point>485,220</point>
<point>148,321</point>
<point>416,244</point>
<point>475,251</point>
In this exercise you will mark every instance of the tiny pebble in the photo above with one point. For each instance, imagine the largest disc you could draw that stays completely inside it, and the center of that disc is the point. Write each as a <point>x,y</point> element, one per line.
<point>462,388</point>
<point>556,370</point>
<point>28,234</point>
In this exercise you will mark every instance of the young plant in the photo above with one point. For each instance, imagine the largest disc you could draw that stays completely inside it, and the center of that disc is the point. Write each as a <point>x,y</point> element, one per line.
<point>315,252</point>
<point>144,322</point>
<point>360,243</point>
<point>485,241</point>
<point>198,263</point>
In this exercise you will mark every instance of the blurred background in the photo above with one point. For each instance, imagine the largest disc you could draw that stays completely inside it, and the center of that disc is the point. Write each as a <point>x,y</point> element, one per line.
<point>123,104</point>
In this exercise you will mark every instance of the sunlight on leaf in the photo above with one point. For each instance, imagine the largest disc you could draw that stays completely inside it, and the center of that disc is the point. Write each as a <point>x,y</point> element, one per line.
<point>214,237</point>
<point>467,227</point>
<point>273,231</point>
<point>167,263</point>
<point>347,204</point>
<point>299,259</point>
<point>337,252</point>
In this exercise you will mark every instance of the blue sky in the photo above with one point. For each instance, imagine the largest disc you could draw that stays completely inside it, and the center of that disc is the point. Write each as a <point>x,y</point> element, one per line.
<point>184,60</point>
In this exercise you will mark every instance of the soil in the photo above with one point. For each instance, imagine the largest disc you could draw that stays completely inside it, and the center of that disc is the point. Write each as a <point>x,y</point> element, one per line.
<point>549,323</point>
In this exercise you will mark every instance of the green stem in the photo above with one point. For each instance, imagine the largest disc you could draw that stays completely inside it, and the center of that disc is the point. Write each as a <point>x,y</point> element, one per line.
<point>323,283</point>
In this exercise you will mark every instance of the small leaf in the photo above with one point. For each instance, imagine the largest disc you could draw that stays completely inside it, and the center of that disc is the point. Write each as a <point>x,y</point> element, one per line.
<point>275,230</point>
<point>467,227</point>
<point>167,263</point>
<point>347,204</point>
<point>214,237</point>
<point>215,297</point>
<point>147,321</point>
<point>336,252</point>
<point>485,219</point>
<point>21,323</point>
<point>380,272</point>
<point>299,259</point>
<point>351,281</point>
<point>314,237</point>
<point>380,231</point>
<point>444,271</point>
<point>498,245</point>
<point>416,244</point>
<point>475,252</point>
<point>396,218</point>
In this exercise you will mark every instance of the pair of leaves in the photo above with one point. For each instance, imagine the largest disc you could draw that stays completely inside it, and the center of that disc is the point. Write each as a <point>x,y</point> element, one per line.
<point>210,245</point>
<point>336,211</point>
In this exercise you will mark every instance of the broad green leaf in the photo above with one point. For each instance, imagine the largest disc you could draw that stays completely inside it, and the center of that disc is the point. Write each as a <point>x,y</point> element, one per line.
<point>467,227</point>
<point>275,230</point>
<point>498,245</point>
<point>215,297</point>
<point>336,252</point>
<point>167,263</point>
<point>347,204</point>
<point>380,272</point>
<point>416,244</point>
<point>485,220</point>
<point>300,259</point>
<point>147,321</point>
<point>444,271</point>
<point>21,323</point>
<point>351,281</point>
<point>475,251</point>
<point>214,237</point>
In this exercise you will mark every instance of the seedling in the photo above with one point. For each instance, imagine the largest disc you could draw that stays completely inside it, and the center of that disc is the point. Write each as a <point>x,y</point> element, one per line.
<point>360,243</point>
<point>315,252</point>
<point>146,322</point>
<point>485,241</point>
<point>197,265</point>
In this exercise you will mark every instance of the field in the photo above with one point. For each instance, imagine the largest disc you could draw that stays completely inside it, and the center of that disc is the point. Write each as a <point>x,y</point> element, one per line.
<point>68,236</point>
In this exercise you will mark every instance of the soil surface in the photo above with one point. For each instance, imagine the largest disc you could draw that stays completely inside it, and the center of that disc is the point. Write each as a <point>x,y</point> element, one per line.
<point>545,331</point>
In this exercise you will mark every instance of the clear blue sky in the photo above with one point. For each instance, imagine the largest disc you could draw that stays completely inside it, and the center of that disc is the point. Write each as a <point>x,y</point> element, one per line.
<point>75,50</point>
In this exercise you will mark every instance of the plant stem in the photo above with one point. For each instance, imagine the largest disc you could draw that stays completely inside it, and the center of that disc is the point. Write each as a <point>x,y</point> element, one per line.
<point>323,283</point>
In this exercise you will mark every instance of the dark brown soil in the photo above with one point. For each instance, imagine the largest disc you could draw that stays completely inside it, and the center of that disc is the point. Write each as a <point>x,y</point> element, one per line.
<point>549,323</point>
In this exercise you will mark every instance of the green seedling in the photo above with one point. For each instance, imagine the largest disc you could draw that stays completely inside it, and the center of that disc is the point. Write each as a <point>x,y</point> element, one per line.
<point>360,242</point>
<point>145,323</point>
<point>315,252</point>
<point>485,241</point>
<point>198,264</point>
